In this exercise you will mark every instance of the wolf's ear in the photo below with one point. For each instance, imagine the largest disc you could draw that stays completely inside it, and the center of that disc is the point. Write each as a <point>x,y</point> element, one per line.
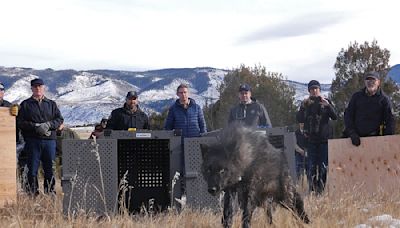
<point>204,150</point>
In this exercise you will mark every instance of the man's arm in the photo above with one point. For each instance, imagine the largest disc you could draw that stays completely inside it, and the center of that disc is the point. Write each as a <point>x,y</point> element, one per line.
<point>202,122</point>
<point>58,119</point>
<point>111,121</point>
<point>264,117</point>
<point>22,122</point>
<point>169,121</point>
<point>300,115</point>
<point>389,123</point>
<point>331,111</point>
<point>349,115</point>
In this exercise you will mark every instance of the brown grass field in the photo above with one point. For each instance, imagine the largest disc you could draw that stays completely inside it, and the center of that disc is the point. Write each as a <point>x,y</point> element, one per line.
<point>347,210</point>
<point>337,209</point>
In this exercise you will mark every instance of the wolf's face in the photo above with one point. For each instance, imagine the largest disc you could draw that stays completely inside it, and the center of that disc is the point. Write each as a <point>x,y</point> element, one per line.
<point>218,170</point>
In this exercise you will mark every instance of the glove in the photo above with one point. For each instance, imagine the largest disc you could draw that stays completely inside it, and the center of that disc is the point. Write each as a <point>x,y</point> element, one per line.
<point>355,139</point>
<point>43,128</point>
<point>14,110</point>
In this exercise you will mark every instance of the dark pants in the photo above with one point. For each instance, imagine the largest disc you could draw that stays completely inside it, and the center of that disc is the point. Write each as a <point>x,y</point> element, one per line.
<point>317,166</point>
<point>40,150</point>
<point>301,164</point>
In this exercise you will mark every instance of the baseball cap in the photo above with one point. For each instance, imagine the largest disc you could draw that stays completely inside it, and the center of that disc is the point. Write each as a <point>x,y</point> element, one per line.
<point>37,81</point>
<point>372,74</point>
<point>131,94</point>
<point>244,87</point>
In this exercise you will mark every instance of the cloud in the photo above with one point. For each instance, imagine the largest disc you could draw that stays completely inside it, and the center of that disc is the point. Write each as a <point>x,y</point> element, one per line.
<point>297,26</point>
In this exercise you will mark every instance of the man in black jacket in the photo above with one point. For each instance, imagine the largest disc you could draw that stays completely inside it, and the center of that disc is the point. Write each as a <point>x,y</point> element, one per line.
<point>249,111</point>
<point>129,116</point>
<point>38,119</point>
<point>315,112</point>
<point>369,112</point>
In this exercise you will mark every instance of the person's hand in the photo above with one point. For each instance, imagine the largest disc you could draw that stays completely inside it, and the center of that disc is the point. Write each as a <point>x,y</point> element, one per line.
<point>355,139</point>
<point>14,110</point>
<point>324,101</point>
<point>43,128</point>
<point>300,151</point>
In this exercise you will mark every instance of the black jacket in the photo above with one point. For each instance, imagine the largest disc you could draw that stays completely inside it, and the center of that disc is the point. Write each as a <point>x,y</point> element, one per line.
<point>252,114</point>
<point>32,112</point>
<point>365,114</point>
<point>4,103</point>
<point>315,117</point>
<point>301,139</point>
<point>123,118</point>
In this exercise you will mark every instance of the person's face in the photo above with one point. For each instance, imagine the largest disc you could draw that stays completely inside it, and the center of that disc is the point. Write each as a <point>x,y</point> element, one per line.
<point>315,91</point>
<point>372,84</point>
<point>37,90</point>
<point>244,96</point>
<point>301,126</point>
<point>183,94</point>
<point>132,102</point>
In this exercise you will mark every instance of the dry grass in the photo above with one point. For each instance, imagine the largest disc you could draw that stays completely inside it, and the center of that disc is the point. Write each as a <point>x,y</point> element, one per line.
<point>348,210</point>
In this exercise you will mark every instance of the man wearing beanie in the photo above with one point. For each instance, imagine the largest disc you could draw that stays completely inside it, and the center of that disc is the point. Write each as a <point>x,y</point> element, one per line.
<point>129,116</point>
<point>369,112</point>
<point>315,112</point>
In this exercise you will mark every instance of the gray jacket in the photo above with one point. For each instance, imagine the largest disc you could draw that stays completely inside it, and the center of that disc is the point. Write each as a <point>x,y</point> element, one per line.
<point>252,114</point>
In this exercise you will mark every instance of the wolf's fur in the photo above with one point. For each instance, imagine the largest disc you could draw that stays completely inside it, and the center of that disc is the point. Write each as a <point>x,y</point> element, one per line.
<point>244,162</point>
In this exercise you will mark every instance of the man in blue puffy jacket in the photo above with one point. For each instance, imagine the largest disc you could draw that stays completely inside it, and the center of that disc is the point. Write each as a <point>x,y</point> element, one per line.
<point>38,119</point>
<point>185,115</point>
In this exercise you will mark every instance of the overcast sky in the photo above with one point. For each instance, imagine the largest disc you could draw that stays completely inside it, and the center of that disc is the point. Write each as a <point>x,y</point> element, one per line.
<point>300,39</point>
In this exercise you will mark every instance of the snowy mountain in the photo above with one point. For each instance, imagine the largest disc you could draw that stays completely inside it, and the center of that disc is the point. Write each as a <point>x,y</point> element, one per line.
<point>84,97</point>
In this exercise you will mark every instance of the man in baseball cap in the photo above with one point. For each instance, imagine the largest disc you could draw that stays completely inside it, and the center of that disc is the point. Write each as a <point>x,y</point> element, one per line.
<point>249,111</point>
<point>128,116</point>
<point>368,111</point>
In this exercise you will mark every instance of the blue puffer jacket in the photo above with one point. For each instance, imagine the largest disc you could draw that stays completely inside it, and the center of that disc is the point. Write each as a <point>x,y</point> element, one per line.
<point>190,120</point>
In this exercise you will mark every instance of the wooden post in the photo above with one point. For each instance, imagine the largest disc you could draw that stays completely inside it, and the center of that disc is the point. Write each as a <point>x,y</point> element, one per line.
<point>372,167</point>
<point>8,154</point>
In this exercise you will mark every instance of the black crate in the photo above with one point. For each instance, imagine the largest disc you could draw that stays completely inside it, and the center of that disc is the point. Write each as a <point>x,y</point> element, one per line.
<point>148,164</point>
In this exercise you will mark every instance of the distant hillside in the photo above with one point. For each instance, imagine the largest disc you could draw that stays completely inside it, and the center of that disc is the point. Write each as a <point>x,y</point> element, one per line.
<point>84,97</point>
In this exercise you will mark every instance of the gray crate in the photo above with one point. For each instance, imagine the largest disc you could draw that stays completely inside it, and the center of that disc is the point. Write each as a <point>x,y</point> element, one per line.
<point>197,195</point>
<point>196,188</point>
<point>286,142</point>
<point>81,182</point>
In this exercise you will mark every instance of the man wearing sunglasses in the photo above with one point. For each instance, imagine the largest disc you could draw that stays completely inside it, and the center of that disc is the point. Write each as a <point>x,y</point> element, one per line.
<point>129,116</point>
<point>369,112</point>
<point>249,111</point>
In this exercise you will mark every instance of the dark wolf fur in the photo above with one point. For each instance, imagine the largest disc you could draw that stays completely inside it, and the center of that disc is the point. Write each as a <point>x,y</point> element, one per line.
<point>244,162</point>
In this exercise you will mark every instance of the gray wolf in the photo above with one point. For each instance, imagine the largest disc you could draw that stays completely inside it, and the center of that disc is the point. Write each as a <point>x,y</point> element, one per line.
<point>243,162</point>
